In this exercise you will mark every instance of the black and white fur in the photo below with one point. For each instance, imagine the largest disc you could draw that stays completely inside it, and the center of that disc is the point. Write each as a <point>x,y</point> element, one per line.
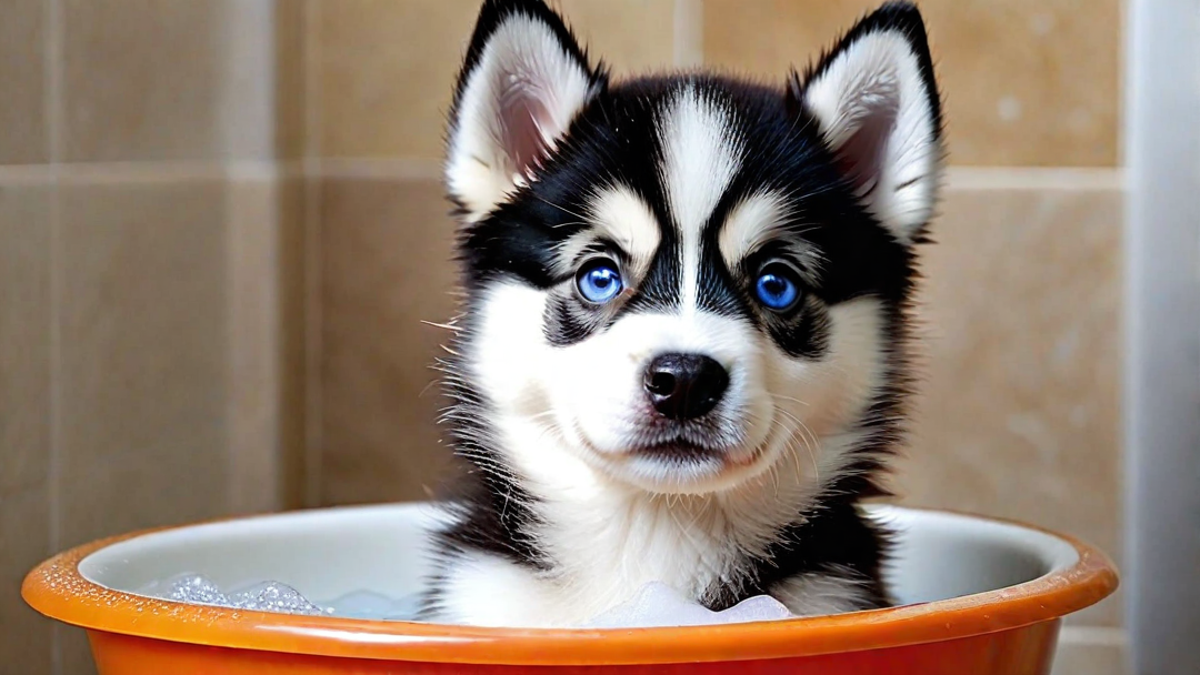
<point>577,493</point>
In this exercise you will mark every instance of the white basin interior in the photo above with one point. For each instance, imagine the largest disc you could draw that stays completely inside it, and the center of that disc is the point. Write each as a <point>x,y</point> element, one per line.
<point>328,553</point>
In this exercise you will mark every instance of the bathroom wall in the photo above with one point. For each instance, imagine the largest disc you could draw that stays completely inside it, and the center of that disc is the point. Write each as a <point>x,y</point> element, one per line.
<point>221,229</point>
<point>151,279</point>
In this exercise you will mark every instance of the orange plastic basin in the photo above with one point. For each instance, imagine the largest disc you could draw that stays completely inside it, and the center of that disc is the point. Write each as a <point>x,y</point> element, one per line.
<point>985,597</point>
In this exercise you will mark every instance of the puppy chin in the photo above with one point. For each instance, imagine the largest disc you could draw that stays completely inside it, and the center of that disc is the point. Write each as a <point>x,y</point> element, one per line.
<point>658,472</point>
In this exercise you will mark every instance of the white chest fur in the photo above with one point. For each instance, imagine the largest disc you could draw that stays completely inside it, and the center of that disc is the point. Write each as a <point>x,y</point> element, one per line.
<point>608,543</point>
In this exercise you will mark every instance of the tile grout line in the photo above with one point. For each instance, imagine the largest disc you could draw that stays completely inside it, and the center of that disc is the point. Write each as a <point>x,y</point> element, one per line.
<point>247,28</point>
<point>313,185</point>
<point>373,168</point>
<point>54,80</point>
<point>232,276</point>
<point>1034,178</point>
<point>688,26</point>
<point>149,171</point>
<point>53,112</point>
<point>368,168</point>
<point>1123,12</point>
<point>247,54</point>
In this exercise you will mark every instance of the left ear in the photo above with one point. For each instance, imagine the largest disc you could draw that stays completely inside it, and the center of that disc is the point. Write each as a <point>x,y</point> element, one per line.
<point>523,82</point>
<point>876,102</point>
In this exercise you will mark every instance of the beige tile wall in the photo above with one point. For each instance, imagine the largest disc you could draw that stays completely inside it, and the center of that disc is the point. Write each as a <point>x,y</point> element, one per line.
<point>222,228</point>
<point>264,251</point>
<point>23,81</point>
<point>387,68</point>
<point>1020,414</point>
<point>141,81</point>
<point>379,390</point>
<point>151,279</point>
<point>142,343</point>
<point>25,481</point>
<point>1027,82</point>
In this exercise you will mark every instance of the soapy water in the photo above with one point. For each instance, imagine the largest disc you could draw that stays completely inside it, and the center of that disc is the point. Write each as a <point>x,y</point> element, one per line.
<point>655,605</point>
<point>272,596</point>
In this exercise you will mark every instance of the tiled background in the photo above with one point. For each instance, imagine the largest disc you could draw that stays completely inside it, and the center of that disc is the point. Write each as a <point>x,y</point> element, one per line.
<point>221,228</point>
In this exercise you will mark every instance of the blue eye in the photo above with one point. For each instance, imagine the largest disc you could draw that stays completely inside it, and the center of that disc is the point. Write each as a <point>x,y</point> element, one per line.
<point>599,282</point>
<point>776,288</point>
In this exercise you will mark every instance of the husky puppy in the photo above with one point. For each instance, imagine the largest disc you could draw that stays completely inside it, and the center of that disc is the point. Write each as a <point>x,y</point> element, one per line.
<point>682,355</point>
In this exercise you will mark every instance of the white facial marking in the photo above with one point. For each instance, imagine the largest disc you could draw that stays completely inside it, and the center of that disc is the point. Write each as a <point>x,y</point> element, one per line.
<point>701,157</point>
<point>835,388</point>
<point>752,223</point>
<point>508,358</point>
<point>604,407</point>
<point>619,214</point>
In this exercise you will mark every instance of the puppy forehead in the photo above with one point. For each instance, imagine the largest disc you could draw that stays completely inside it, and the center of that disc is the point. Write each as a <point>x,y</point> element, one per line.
<point>758,218</point>
<point>676,160</point>
<point>681,174</point>
<point>701,154</point>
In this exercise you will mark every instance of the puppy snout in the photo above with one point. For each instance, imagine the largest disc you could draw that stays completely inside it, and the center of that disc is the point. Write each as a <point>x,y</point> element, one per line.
<point>685,386</point>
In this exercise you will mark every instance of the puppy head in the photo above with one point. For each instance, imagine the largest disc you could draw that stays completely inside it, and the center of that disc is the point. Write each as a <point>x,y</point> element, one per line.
<point>677,282</point>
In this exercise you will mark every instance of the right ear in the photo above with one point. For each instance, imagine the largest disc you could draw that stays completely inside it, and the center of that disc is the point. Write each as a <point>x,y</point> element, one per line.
<point>523,82</point>
<point>877,106</point>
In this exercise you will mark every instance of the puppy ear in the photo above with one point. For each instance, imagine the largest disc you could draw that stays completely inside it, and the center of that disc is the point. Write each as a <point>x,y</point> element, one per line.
<point>523,82</point>
<point>877,105</point>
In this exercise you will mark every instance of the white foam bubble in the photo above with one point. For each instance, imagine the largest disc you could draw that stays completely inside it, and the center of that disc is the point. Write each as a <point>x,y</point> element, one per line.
<point>266,596</point>
<point>196,590</point>
<point>273,596</point>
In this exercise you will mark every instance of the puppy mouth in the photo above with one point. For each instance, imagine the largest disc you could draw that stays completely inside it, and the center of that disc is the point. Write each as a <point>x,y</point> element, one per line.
<point>684,452</point>
<point>684,460</point>
<point>678,451</point>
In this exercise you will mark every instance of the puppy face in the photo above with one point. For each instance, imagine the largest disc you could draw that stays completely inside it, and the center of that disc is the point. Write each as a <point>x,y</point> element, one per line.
<point>675,283</point>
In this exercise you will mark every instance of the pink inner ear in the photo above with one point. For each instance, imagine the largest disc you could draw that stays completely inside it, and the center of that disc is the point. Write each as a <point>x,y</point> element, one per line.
<point>526,120</point>
<point>862,155</point>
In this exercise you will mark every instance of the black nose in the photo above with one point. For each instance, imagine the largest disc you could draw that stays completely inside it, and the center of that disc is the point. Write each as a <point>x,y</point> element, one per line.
<point>685,386</point>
